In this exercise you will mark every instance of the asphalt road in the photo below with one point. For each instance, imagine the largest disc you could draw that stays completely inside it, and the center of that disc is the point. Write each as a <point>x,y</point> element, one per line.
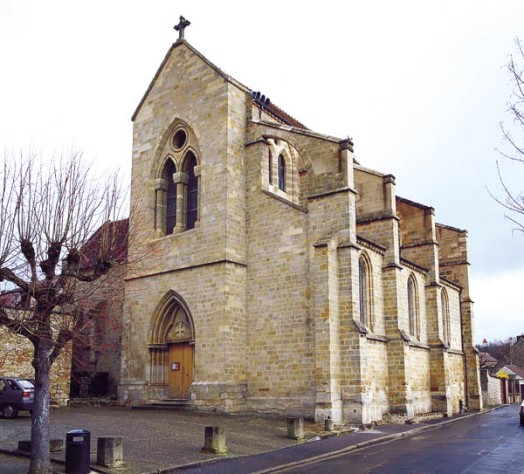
<point>488,444</point>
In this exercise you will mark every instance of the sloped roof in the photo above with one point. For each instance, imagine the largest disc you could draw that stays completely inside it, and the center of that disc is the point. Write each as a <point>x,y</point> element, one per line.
<point>413,203</point>
<point>516,370</point>
<point>118,233</point>
<point>270,108</point>
<point>280,114</point>
<point>163,63</point>
<point>486,357</point>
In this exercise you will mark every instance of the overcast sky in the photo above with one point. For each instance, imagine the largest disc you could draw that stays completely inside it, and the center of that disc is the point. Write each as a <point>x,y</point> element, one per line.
<point>420,86</point>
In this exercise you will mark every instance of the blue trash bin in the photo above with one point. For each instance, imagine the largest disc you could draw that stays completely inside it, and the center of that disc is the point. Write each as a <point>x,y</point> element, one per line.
<point>78,455</point>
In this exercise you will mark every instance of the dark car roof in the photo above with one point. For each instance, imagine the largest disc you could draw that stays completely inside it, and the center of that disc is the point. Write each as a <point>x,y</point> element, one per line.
<point>18,379</point>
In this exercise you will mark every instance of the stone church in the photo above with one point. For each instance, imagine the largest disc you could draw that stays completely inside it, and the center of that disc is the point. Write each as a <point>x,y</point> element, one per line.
<point>282,275</point>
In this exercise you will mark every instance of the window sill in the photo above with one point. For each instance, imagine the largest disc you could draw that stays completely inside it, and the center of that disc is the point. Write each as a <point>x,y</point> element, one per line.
<point>158,236</point>
<point>285,200</point>
<point>419,345</point>
<point>364,330</point>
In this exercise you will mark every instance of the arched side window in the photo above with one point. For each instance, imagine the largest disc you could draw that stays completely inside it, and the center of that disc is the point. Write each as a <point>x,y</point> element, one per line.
<point>365,292</point>
<point>281,173</point>
<point>284,172</point>
<point>413,310</point>
<point>192,192</point>
<point>446,323</point>
<point>270,167</point>
<point>169,172</point>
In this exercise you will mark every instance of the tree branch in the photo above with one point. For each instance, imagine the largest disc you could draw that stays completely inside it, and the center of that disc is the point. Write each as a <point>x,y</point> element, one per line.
<point>64,336</point>
<point>15,326</point>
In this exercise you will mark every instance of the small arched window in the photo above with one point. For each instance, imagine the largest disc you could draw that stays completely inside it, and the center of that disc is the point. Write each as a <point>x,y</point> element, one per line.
<point>446,332</point>
<point>270,167</point>
<point>192,192</point>
<point>413,307</point>
<point>365,297</point>
<point>281,173</point>
<point>169,171</point>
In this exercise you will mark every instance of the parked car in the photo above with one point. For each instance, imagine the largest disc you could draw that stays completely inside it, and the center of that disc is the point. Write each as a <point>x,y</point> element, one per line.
<point>16,394</point>
<point>522,413</point>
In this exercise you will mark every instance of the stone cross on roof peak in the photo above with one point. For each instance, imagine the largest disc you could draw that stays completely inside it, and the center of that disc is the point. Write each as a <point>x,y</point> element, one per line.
<point>182,25</point>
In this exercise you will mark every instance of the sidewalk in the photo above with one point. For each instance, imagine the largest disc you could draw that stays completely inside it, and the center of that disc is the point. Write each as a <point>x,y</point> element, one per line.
<point>168,441</point>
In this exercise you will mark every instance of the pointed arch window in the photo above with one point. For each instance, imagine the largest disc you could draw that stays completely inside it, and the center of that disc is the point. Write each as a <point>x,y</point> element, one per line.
<point>281,173</point>
<point>446,332</point>
<point>177,185</point>
<point>171,197</point>
<point>192,192</point>
<point>413,312</point>
<point>365,289</point>
<point>270,167</point>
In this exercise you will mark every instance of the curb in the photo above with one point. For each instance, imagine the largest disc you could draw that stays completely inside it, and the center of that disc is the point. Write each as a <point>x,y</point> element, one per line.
<point>383,439</point>
<point>348,449</point>
<point>372,442</point>
<point>19,454</point>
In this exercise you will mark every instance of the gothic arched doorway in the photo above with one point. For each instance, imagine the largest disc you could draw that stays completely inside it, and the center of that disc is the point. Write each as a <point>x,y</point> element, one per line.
<point>171,347</point>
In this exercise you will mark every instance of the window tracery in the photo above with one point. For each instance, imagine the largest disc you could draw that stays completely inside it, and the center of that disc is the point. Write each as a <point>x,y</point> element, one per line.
<point>177,188</point>
<point>281,173</point>
<point>192,192</point>
<point>171,197</point>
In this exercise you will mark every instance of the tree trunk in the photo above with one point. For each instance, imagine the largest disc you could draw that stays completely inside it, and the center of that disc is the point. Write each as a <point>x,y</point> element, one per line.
<point>40,458</point>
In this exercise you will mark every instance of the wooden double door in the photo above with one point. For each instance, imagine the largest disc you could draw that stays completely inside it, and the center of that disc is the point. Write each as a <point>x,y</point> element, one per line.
<point>180,370</point>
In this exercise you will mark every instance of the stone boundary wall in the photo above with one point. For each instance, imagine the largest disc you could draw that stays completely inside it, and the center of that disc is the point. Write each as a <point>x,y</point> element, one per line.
<point>16,353</point>
<point>491,389</point>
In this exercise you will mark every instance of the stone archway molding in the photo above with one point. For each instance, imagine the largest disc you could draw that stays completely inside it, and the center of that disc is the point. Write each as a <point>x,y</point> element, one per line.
<point>171,321</point>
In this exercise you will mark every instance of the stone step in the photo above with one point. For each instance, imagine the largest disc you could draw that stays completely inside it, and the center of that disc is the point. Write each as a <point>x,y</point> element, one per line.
<point>177,404</point>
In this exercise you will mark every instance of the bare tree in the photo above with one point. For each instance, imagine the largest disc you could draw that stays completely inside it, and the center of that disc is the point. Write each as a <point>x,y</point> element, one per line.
<point>513,200</point>
<point>509,351</point>
<point>59,238</point>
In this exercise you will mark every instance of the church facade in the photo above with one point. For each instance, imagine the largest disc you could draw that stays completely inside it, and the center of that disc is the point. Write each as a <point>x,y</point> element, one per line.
<point>281,275</point>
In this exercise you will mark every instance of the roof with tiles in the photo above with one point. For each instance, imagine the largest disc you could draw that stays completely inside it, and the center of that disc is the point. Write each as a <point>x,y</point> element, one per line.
<point>519,371</point>
<point>118,235</point>
<point>487,358</point>
<point>283,116</point>
<point>269,107</point>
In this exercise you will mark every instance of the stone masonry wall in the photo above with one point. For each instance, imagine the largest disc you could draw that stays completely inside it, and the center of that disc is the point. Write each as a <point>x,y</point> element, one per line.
<point>371,194</point>
<point>205,265</point>
<point>172,101</point>
<point>279,327</point>
<point>454,319</point>
<point>375,381</point>
<point>456,388</point>
<point>97,349</point>
<point>491,391</point>
<point>217,329</point>
<point>418,379</point>
<point>16,354</point>
<point>270,276</point>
